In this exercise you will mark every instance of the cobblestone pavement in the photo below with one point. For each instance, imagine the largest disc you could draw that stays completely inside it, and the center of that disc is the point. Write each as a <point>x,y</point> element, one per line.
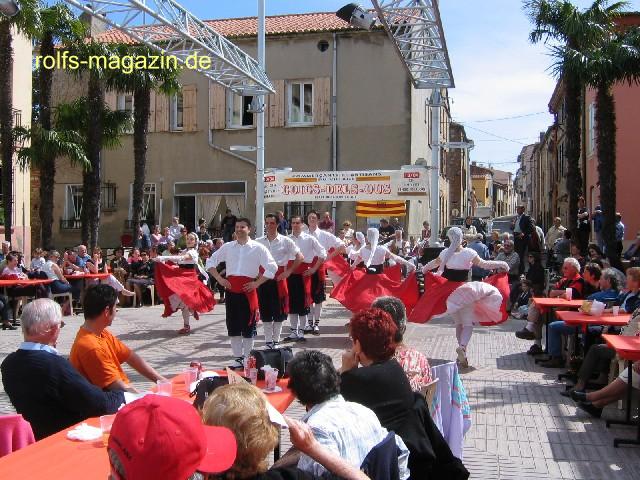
<point>522,428</point>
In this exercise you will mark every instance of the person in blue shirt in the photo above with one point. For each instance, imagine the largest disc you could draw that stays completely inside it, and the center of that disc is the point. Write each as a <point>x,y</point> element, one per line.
<point>482,250</point>
<point>608,292</point>
<point>619,234</point>
<point>598,220</point>
<point>82,257</point>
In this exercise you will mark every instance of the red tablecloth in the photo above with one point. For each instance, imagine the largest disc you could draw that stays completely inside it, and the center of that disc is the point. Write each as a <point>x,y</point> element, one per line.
<point>87,276</point>
<point>56,457</point>
<point>582,319</point>
<point>627,348</point>
<point>24,283</point>
<point>544,303</point>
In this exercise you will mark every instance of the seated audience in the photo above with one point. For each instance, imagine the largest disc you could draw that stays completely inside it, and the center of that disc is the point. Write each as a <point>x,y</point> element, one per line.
<point>562,248</point>
<point>513,260</point>
<point>141,275</point>
<point>119,266</point>
<point>591,274</point>
<point>42,385</point>
<point>5,313</point>
<point>607,292</point>
<point>414,363</point>
<point>577,254</point>
<point>96,353</point>
<point>60,284</point>
<point>138,445</point>
<point>242,408</point>
<point>98,264</point>
<point>571,278</point>
<point>520,306</point>
<point>347,428</point>
<point>370,376</point>
<point>37,260</point>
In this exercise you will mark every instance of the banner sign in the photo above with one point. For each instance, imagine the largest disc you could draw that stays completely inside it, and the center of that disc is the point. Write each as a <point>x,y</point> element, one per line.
<point>283,186</point>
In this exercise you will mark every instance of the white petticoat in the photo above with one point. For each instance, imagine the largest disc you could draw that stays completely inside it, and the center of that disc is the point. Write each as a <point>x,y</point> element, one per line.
<point>474,302</point>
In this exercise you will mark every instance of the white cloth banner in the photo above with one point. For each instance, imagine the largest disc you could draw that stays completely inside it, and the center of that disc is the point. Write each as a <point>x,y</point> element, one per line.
<point>283,186</point>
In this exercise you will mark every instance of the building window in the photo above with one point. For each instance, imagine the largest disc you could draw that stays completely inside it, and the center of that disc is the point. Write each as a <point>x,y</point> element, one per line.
<point>148,203</point>
<point>238,114</point>
<point>177,112</point>
<point>73,204</point>
<point>297,208</point>
<point>300,101</point>
<point>124,102</point>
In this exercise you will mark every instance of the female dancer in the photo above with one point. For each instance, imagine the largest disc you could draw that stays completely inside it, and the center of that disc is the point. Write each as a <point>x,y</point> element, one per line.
<point>468,303</point>
<point>357,290</point>
<point>180,288</point>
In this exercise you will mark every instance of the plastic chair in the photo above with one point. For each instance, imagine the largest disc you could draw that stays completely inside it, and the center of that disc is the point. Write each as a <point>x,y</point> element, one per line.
<point>15,433</point>
<point>429,391</point>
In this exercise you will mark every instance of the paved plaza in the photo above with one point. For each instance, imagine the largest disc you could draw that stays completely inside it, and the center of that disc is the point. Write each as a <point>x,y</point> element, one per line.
<point>522,428</point>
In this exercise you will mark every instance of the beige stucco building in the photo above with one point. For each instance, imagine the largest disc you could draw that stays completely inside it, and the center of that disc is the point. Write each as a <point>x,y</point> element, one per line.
<point>381,122</point>
<point>21,234</point>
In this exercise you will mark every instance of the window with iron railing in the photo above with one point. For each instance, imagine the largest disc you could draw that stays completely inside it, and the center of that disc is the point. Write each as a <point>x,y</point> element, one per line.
<point>73,204</point>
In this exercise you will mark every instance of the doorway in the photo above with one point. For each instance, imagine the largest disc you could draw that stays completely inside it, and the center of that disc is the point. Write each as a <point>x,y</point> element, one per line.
<point>186,207</point>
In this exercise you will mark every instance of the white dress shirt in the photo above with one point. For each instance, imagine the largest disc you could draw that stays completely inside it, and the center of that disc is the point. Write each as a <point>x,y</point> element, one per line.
<point>326,239</point>
<point>244,260</point>
<point>175,230</point>
<point>309,246</point>
<point>282,248</point>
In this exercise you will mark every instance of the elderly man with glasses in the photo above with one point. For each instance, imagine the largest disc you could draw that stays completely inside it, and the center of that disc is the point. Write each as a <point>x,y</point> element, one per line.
<point>42,385</point>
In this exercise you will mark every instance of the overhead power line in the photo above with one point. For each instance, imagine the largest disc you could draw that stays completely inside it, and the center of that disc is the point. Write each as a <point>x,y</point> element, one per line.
<point>525,115</point>
<point>494,135</point>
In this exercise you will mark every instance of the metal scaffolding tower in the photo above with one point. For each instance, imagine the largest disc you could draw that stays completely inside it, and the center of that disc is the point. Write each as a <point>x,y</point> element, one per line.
<point>176,31</point>
<point>416,30</point>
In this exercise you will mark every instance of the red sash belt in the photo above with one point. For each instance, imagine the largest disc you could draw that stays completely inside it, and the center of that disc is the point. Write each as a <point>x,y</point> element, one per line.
<point>283,291</point>
<point>237,284</point>
<point>306,281</point>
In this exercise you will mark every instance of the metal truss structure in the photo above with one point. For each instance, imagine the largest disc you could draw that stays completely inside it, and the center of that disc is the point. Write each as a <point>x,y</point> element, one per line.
<point>176,31</point>
<point>416,30</point>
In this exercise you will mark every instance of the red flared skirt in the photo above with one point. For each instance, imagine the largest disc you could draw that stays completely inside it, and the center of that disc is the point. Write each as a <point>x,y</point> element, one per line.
<point>183,282</point>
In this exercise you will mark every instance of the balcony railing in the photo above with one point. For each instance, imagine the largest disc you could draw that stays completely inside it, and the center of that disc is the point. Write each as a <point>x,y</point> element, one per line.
<point>70,224</point>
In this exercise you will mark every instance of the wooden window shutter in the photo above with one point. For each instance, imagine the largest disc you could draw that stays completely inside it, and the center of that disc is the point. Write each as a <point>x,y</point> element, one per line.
<point>276,105</point>
<point>322,101</point>
<point>217,106</point>
<point>190,110</point>
<point>152,112</point>
<point>162,113</point>
<point>111,99</point>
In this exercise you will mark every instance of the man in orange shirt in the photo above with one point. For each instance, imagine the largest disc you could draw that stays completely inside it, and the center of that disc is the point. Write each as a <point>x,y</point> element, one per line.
<point>96,353</point>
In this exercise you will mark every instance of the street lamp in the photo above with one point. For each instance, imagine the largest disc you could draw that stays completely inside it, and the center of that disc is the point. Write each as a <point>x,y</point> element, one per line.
<point>357,16</point>
<point>9,7</point>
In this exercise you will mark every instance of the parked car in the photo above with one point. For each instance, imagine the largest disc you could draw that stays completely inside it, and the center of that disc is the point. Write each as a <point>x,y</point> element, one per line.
<point>501,224</point>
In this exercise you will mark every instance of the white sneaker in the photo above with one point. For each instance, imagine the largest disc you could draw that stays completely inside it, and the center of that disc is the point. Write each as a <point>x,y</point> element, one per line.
<point>127,293</point>
<point>462,360</point>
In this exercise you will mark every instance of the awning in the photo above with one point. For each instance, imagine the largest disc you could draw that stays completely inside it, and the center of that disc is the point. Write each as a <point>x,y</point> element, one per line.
<point>381,209</point>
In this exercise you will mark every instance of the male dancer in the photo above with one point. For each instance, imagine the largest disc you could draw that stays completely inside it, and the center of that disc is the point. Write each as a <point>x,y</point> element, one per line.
<point>274,294</point>
<point>243,258</point>
<point>334,246</point>
<point>299,282</point>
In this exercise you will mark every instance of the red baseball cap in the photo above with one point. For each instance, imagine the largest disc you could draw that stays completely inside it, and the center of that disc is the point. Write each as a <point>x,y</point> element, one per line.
<point>159,437</point>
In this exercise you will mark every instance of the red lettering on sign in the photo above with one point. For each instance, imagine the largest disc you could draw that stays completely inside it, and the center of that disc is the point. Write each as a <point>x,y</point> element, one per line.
<point>270,178</point>
<point>411,174</point>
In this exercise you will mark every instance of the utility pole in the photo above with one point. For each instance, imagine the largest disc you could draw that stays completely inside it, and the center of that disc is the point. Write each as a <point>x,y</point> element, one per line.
<point>435,103</point>
<point>260,126</point>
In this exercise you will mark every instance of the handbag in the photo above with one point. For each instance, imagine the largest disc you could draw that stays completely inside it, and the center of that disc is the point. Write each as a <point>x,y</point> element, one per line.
<point>204,388</point>
<point>274,357</point>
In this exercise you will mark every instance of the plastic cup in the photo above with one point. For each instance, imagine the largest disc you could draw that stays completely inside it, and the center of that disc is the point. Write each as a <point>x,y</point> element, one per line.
<point>615,310</point>
<point>106,421</point>
<point>190,376</point>
<point>165,387</point>
<point>569,293</point>
<point>271,376</point>
<point>253,375</point>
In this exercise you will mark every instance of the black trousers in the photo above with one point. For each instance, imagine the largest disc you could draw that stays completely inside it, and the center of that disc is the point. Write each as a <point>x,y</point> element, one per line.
<point>270,306</point>
<point>239,316</point>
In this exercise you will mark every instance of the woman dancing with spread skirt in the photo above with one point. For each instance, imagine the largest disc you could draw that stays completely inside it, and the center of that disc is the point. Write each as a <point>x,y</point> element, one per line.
<point>180,287</point>
<point>449,292</point>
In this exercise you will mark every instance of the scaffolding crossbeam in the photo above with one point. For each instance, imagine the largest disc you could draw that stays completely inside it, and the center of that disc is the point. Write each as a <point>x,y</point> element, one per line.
<point>415,27</point>
<point>176,31</point>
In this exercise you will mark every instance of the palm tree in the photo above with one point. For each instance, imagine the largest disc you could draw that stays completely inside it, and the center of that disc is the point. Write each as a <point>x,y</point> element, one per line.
<point>92,177</point>
<point>141,82</point>
<point>58,25</point>
<point>27,22</point>
<point>580,30</point>
<point>616,59</point>
<point>79,116</point>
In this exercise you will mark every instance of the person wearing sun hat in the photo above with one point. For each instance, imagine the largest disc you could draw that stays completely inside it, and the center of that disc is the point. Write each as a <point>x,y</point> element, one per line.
<point>159,437</point>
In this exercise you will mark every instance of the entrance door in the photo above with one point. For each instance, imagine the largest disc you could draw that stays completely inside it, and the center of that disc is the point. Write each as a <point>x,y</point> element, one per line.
<point>187,212</point>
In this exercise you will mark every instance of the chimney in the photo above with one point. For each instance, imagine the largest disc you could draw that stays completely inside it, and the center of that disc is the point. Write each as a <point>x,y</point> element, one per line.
<point>95,26</point>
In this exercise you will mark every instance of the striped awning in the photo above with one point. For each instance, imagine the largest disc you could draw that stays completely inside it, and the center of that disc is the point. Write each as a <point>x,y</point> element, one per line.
<point>381,209</point>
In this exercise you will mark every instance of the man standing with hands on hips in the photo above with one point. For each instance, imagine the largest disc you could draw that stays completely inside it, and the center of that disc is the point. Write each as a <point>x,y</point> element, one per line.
<point>243,258</point>
<point>274,294</point>
<point>522,230</point>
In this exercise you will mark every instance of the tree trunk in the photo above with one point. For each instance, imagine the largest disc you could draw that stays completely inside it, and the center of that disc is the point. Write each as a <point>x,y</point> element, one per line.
<point>6,124</point>
<point>141,105</point>
<point>606,149</point>
<point>572,148</point>
<point>47,162</point>
<point>92,179</point>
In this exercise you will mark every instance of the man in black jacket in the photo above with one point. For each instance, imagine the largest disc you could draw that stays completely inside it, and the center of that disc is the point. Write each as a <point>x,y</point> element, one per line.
<point>43,386</point>
<point>522,230</point>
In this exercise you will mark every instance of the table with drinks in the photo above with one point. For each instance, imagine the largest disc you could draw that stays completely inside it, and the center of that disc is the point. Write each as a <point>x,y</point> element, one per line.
<point>23,282</point>
<point>628,349</point>
<point>545,304</point>
<point>58,457</point>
